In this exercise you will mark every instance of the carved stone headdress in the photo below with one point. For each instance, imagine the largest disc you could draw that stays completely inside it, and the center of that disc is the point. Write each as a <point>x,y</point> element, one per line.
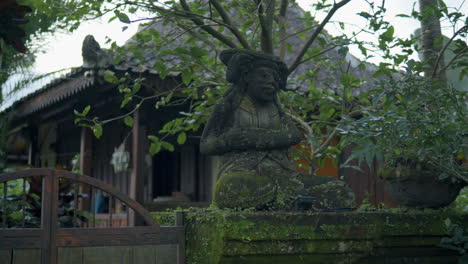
<point>240,61</point>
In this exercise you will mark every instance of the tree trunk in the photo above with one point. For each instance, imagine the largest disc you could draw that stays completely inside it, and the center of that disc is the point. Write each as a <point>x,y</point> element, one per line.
<point>431,32</point>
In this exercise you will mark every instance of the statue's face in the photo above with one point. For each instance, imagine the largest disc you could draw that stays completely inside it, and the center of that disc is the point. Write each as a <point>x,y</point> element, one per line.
<point>262,84</point>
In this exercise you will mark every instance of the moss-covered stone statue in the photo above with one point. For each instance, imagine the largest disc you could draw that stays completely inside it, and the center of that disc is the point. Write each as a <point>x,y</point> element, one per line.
<point>252,134</point>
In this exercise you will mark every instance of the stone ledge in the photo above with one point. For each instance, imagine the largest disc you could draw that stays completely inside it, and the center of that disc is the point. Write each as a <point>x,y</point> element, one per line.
<point>383,236</point>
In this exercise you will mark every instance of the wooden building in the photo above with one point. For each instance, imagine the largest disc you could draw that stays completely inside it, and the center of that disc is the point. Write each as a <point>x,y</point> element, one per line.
<point>44,135</point>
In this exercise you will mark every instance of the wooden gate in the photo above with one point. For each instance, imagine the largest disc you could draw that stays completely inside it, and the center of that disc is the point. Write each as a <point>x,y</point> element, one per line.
<point>83,242</point>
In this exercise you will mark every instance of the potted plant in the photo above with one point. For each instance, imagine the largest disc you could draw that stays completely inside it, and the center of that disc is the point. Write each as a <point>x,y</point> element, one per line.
<point>417,131</point>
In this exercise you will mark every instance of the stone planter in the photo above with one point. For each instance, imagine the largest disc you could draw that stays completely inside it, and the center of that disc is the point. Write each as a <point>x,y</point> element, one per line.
<point>419,188</point>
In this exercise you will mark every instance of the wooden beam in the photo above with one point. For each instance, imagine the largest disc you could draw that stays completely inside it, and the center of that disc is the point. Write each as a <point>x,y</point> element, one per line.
<point>86,164</point>
<point>137,180</point>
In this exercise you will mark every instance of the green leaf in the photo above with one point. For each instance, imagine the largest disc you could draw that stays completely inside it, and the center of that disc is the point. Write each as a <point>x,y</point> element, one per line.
<point>126,100</point>
<point>160,66</point>
<point>330,113</point>
<point>155,148</point>
<point>399,97</point>
<point>109,76</point>
<point>168,146</point>
<point>438,42</point>
<point>86,110</point>
<point>343,51</point>
<point>364,15</point>
<point>182,138</point>
<point>84,113</point>
<point>97,130</point>
<point>122,17</point>
<point>402,15</point>
<point>388,34</point>
<point>136,87</point>
<point>111,19</point>
<point>363,50</point>
<point>186,76</point>
<point>128,120</point>
<point>153,138</point>
<point>197,52</point>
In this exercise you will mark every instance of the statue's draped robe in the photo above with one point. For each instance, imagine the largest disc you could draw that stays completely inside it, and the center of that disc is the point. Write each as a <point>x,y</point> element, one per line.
<point>267,162</point>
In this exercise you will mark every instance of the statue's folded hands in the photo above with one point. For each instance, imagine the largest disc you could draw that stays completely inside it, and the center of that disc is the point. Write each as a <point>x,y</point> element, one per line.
<point>239,139</point>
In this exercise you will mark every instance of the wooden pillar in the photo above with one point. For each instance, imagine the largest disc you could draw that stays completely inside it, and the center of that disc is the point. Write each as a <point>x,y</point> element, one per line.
<point>32,146</point>
<point>86,164</point>
<point>137,179</point>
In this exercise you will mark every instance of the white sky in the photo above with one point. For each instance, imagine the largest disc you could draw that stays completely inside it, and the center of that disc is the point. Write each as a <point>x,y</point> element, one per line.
<point>64,50</point>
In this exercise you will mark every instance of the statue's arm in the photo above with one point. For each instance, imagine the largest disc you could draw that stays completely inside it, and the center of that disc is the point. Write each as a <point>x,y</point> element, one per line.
<point>213,140</point>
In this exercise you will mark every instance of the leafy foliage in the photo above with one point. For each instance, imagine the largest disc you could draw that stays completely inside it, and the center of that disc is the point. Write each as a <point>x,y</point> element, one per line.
<point>23,206</point>
<point>42,20</point>
<point>4,129</point>
<point>413,123</point>
<point>457,239</point>
<point>461,203</point>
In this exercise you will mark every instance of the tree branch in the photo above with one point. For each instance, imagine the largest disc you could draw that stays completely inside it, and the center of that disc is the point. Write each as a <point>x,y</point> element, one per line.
<point>270,12</point>
<point>458,55</point>
<point>282,27</point>
<point>265,18</point>
<point>206,28</point>
<point>225,16</point>
<point>298,32</point>
<point>303,124</point>
<point>320,53</point>
<point>317,31</point>
<point>326,143</point>
<point>440,56</point>
<point>197,35</point>
<point>142,100</point>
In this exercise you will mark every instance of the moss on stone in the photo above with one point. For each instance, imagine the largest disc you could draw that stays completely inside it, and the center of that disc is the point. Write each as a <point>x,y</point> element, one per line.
<point>243,190</point>
<point>164,218</point>
<point>222,236</point>
<point>204,237</point>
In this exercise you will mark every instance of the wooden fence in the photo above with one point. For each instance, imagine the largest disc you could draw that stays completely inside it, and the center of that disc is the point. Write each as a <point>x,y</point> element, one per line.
<point>66,234</point>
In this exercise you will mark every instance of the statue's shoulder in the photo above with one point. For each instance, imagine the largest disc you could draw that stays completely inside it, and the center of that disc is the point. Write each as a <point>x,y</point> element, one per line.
<point>247,105</point>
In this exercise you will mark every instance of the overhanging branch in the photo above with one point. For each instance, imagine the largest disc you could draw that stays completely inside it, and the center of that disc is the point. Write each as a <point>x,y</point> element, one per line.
<point>440,56</point>
<point>225,16</point>
<point>205,27</point>
<point>314,35</point>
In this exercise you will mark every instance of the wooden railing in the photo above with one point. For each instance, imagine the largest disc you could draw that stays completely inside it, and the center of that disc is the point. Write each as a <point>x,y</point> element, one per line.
<point>51,185</point>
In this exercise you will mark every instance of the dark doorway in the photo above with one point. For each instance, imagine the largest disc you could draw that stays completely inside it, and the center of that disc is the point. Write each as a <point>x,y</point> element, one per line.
<point>166,171</point>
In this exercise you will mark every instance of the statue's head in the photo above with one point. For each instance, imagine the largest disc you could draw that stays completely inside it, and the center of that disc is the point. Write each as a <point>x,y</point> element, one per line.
<point>261,75</point>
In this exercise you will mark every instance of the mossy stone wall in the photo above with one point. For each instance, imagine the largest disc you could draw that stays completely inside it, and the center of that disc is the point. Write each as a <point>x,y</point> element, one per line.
<point>351,237</point>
